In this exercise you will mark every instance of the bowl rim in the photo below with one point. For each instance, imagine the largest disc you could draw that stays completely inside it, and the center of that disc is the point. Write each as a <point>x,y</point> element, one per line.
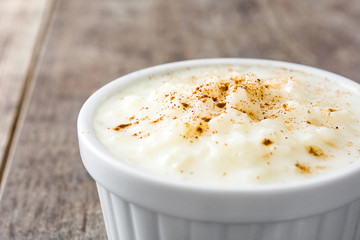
<point>84,125</point>
<point>269,202</point>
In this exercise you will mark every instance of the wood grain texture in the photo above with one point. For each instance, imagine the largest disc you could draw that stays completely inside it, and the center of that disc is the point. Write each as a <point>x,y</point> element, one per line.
<point>20,23</point>
<point>48,193</point>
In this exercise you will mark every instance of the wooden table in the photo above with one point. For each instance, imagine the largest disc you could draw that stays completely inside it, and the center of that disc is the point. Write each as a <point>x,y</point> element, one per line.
<point>54,54</point>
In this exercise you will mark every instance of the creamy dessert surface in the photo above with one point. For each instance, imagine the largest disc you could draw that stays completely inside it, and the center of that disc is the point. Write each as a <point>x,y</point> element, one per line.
<point>231,125</point>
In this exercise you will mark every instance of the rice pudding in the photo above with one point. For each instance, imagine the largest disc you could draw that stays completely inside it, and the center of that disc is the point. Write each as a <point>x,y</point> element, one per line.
<point>233,125</point>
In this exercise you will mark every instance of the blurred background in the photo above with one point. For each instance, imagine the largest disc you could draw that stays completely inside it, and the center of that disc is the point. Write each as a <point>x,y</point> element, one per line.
<point>55,53</point>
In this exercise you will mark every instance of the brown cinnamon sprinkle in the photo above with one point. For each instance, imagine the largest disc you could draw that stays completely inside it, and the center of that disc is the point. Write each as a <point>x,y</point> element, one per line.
<point>320,167</point>
<point>199,130</point>
<point>206,119</point>
<point>224,86</point>
<point>315,151</point>
<point>267,142</point>
<point>303,168</point>
<point>122,126</point>
<point>185,105</point>
<point>221,105</point>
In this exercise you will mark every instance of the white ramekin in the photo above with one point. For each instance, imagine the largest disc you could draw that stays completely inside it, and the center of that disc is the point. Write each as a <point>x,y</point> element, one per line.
<point>143,206</point>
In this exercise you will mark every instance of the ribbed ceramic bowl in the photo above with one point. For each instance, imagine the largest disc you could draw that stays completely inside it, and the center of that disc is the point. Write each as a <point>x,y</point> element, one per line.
<point>143,206</point>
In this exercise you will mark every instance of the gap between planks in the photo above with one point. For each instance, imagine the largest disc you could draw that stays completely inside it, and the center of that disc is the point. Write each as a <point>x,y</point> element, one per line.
<point>26,91</point>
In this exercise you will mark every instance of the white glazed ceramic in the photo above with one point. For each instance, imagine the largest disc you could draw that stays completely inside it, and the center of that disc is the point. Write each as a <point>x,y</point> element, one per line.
<point>143,206</point>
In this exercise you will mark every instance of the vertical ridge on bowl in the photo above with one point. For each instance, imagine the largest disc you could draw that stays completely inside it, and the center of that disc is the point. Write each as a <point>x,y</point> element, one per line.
<point>332,224</point>
<point>201,230</point>
<point>352,221</point>
<point>108,213</point>
<point>357,234</point>
<point>173,228</point>
<point>145,223</point>
<point>244,231</point>
<point>123,218</point>
<point>303,229</point>
<point>277,230</point>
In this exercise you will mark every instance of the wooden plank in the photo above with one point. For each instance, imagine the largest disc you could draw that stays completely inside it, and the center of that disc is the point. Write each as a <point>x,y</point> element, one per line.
<point>20,23</point>
<point>48,193</point>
